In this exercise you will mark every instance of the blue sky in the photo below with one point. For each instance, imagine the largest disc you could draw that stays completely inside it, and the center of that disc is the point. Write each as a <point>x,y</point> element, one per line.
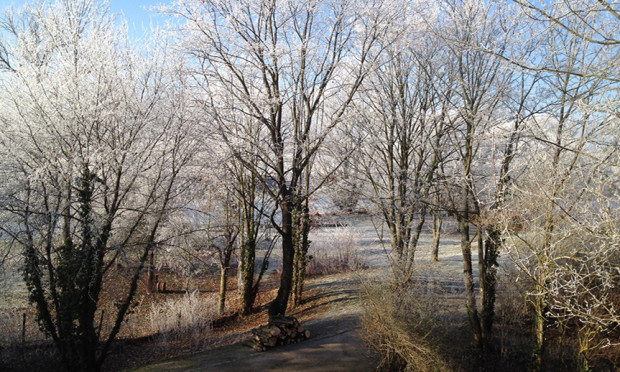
<point>138,18</point>
<point>136,12</point>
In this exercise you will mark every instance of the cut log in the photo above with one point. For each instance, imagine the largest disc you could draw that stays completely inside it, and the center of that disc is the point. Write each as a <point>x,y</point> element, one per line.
<point>279,331</point>
<point>259,347</point>
<point>272,341</point>
<point>275,331</point>
<point>256,346</point>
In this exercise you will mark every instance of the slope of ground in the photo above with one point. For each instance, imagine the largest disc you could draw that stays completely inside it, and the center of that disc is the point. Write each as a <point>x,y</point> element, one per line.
<point>331,310</point>
<point>335,344</point>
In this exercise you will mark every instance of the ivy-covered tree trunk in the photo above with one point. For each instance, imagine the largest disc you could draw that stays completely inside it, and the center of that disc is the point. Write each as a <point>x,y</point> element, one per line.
<point>75,282</point>
<point>246,271</point>
<point>488,283</point>
<point>302,244</point>
<point>67,303</point>
<point>89,275</point>
<point>252,207</point>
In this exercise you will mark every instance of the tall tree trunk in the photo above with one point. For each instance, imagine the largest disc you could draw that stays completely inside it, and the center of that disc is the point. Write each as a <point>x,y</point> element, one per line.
<point>415,238</point>
<point>542,274</point>
<point>89,276</point>
<point>66,297</point>
<point>540,302</point>
<point>246,272</point>
<point>472,311</point>
<point>297,233</point>
<point>230,234</point>
<point>489,277</point>
<point>250,224</point>
<point>221,304</point>
<point>301,251</point>
<point>437,222</point>
<point>279,304</point>
<point>540,323</point>
<point>463,220</point>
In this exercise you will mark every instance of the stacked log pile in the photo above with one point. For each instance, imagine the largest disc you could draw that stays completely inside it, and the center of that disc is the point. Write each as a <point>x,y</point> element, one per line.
<point>280,331</point>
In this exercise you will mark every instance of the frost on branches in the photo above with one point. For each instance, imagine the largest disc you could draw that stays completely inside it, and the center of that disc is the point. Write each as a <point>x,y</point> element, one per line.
<point>93,142</point>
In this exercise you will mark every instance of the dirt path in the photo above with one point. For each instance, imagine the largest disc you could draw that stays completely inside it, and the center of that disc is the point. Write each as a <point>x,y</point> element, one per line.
<point>334,345</point>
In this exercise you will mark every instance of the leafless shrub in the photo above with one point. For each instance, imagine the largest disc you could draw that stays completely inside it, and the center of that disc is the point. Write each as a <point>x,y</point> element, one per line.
<point>397,322</point>
<point>10,327</point>
<point>512,302</point>
<point>336,253</point>
<point>513,312</point>
<point>184,317</point>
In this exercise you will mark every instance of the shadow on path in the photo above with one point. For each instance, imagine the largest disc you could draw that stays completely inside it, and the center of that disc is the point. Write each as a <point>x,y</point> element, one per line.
<point>334,345</point>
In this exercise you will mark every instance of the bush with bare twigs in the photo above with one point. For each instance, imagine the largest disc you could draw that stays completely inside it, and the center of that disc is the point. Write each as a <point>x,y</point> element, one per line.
<point>513,314</point>
<point>185,317</point>
<point>336,253</point>
<point>397,323</point>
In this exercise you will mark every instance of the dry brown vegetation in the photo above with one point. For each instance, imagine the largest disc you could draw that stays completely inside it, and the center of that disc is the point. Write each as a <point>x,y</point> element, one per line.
<point>398,323</point>
<point>421,326</point>
<point>179,321</point>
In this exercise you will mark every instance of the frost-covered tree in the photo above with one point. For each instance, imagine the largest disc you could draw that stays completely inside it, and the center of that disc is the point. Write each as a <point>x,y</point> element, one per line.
<point>478,84</point>
<point>401,121</point>
<point>293,69</point>
<point>565,238</point>
<point>560,98</point>
<point>93,140</point>
<point>255,207</point>
<point>595,22</point>
<point>562,224</point>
